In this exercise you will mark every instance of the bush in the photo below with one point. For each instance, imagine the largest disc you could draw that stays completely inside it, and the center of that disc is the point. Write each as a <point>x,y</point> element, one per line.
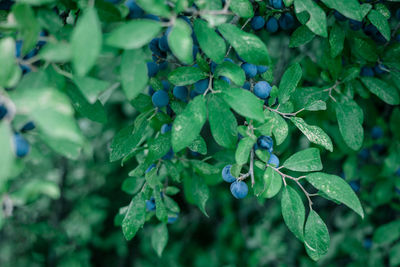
<point>235,133</point>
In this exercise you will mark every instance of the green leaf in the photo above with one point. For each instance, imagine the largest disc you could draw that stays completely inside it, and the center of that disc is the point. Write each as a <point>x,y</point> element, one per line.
<point>8,62</point>
<point>7,154</point>
<point>161,211</point>
<point>56,52</point>
<point>155,7</point>
<point>198,145</point>
<point>380,22</point>
<point>243,150</point>
<point>382,89</point>
<point>186,75</point>
<point>159,238</point>
<point>134,34</point>
<point>27,25</point>
<point>135,216</point>
<point>132,185</point>
<point>274,182</point>
<point>317,22</point>
<point>158,147</point>
<point>223,123</point>
<point>278,126</point>
<point>387,233</point>
<point>247,45</point>
<point>365,49</point>
<point>54,119</point>
<point>336,40</point>
<point>301,36</point>
<point>180,41</point>
<point>127,139</point>
<point>86,40</point>
<point>289,82</point>
<point>316,236</point>
<point>350,121</point>
<point>242,101</point>
<point>313,133</point>
<point>315,105</point>
<point>187,127</point>
<point>91,87</point>
<point>293,212</point>
<point>306,160</point>
<point>337,189</point>
<point>94,112</point>
<point>231,71</point>
<point>134,76</point>
<point>201,193</point>
<point>242,8</point>
<point>394,255</point>
<point>349,8</point>
<point>210,42</point>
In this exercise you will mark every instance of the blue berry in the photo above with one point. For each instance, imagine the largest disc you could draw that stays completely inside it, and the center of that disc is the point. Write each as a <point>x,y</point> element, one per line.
<point>367,243</point>
<point>261,69</point>
<point>225,79</point>
<point>193,94</point>
<point>3,111</point>
<point>239,189</point>
<point>155,48</point>
<point>380,69</point>
<point>339,16</point>
<point>272,25</point>
<point>227,59</point>
<point>160,98</point>
<point>246,85</point>
<point>286,21</point>
<point>376,132</point>
<point>355,185</point>
<point>169,155</point>
<point>201,86</point>
<point>166,85</point>
<point>249,69</point>
<point>257,23</point>
<point>364,153</point>
<point>163,43</point>
<point>152,17</point>
<point>262,89</point>
<point>273,160</point>
<point>134,10</point>
<point>181,92</point>
<point>152,69</point>
<point>21,146</point>
<point>172,219</point>
<point>213,66</point>
<point>355,25</point>
<point>265,142</point>
<point>278,4</point>
<point>151,204</point>
<point>195,51</point>
<point>150,167</point>
<point>367,72</point>
<point>29,126</point>
<point>165,128</point>
<point>226,174</point>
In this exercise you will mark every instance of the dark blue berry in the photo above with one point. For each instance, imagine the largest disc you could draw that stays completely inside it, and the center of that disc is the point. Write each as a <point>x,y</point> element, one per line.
<point>239,189</point>
<point>262,89</point>
<point>226,174</point>
<point>160,98</point>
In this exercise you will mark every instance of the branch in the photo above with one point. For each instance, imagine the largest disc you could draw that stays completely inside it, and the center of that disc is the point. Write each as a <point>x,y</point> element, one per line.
<point>296,180</point>
<point>284,114</point>
<point>251,171</point>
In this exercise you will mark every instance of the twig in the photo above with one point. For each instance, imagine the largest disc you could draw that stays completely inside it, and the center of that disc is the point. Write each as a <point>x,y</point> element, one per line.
<point>230,47</point>
<point>62,72</point>
<point>296,180</point>
<point>333,87</point>
<point>284,114</point>
<point>251,171</point>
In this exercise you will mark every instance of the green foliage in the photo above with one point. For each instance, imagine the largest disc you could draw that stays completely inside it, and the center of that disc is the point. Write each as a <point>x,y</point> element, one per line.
<point>118,119</point>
